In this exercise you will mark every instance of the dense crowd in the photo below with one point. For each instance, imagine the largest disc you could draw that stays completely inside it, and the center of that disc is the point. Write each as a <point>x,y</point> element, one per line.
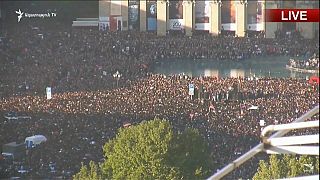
<point>309,64</point>
<point>34,57</point>
<point>87,108</point>
<point>78,123</point>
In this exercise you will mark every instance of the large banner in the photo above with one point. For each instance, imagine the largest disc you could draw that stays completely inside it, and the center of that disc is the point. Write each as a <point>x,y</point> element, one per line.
<point>104,23</point>
<point>255,16</point>
<point>152,15</point>
<point>133,14</point>
<point>104,26</point>
<point>228,15</point>
<point>115,23</point>
<point>176,15</point>
<point>202,14</point>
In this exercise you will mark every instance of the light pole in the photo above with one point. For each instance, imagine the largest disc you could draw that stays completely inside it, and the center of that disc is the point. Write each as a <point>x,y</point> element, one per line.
<point>117,76</point>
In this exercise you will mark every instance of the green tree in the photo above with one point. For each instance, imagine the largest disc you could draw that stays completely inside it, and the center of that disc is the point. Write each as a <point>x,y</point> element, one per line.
<point>317,165</point>
<point>191,154</point>
<point>307,165</point>
<point>151,150</point>
<point>263,171</point>
<point>91,173</point>
<point>139,152</point>
<point>276,168</point>
<point>294,169</point>
<point>287,166</point>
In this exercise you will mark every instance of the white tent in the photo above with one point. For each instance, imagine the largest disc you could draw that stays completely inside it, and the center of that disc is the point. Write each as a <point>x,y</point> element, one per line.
<point>35,140</point>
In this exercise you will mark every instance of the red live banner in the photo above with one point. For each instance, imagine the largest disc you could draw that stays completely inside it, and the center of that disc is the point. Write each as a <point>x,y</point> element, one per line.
<point>292,15</point>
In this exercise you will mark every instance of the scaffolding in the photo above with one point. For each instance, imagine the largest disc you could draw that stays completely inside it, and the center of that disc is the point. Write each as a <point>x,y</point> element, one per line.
<point>278,144</point>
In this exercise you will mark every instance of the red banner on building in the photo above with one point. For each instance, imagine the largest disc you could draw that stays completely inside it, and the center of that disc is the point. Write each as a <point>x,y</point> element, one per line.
<point>292,15</point>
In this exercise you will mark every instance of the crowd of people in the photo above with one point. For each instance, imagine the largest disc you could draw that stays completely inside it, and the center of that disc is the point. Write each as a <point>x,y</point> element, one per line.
<point>77,124</point>
<point>88,107</point>
<point>34,57</point>
<point>309,64</point>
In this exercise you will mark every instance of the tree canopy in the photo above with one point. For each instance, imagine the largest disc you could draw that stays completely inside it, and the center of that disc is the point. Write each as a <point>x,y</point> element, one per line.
<point>152,150</point>
<point>287,166</point>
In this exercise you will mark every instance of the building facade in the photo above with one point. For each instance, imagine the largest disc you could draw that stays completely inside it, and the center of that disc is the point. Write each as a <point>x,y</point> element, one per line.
<point>238,17</point>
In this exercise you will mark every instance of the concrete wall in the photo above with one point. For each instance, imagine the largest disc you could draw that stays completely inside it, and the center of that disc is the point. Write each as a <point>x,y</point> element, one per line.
<point>188,15</point>
<point>161,18</point>
<point>307,29</point>
<point>241,19</point>
<point>115,8</point>
<point>143,15</point>
<point>271,27</point>
<point>104,8</point>
<point>215,19</point>
<point>193,16</point>
<point>263,14</point>
<point>124,13</point>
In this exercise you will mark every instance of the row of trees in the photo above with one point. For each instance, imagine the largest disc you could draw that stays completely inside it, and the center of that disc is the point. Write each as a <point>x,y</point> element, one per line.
<point>152,150</point>
<point>287,166</point>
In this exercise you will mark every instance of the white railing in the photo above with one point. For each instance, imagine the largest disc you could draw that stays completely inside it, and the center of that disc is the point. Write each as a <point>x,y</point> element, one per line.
<point>265,146</point>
